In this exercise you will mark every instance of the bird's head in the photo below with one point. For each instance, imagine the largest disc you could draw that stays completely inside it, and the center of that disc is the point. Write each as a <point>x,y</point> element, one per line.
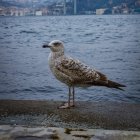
<point>55,46</point>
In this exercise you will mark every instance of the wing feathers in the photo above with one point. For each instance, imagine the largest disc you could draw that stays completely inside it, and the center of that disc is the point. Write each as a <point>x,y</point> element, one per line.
<point>81,74</point>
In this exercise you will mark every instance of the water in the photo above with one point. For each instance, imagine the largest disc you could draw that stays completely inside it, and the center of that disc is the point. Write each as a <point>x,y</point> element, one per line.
<point>110,44</point>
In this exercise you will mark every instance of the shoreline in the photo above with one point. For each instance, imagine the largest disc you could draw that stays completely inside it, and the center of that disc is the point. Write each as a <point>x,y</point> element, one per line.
<point>88,115</point>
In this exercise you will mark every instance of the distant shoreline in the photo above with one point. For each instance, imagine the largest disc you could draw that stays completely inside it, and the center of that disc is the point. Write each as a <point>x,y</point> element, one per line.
<point>72,15</point>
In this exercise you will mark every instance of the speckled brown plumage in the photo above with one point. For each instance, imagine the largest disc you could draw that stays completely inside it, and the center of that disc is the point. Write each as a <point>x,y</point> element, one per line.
<point>72,72</point>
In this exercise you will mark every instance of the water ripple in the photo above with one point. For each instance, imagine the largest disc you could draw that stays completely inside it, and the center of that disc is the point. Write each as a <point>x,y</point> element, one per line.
<point>108,43</point>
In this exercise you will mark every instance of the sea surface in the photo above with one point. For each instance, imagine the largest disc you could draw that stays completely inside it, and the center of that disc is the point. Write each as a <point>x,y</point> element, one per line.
<point>108,43</point>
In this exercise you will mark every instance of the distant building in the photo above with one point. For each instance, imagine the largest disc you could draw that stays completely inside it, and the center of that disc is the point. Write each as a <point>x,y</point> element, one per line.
<point>27,12</point>
<point>125,11</point>
<point>100,11</point>
<point>38,13</point>
<point>89,12</point>
<point>44,11</point>
<point>116,10</point>
<point>2,13</point>
<point>21,13</point>
<point>14,11</point>
<point>57,9</point>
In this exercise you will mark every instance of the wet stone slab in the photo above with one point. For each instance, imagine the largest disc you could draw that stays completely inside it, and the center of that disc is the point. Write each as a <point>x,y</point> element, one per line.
<point>8,132</point>
<point>89,115</point>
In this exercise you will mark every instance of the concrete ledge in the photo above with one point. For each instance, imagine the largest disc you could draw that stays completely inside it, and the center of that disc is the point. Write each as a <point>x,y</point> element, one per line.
<point>89,115</point>
<point>52,133</point>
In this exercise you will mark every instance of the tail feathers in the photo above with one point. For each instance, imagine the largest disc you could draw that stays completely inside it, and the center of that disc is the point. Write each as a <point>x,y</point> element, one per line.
<point>112,84</point>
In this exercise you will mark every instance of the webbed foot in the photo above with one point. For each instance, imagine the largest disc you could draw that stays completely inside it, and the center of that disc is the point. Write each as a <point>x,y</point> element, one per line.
<point>66,105</point>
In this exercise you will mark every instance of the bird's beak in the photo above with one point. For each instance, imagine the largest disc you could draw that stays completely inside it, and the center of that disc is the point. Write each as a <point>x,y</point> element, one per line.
<point>46,46</point>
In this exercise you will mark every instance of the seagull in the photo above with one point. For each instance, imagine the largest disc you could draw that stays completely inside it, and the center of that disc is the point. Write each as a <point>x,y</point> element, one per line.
<point>74,73</point>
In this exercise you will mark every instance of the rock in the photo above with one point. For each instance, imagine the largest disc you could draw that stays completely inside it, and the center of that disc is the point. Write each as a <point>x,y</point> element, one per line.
<point>8,132</point>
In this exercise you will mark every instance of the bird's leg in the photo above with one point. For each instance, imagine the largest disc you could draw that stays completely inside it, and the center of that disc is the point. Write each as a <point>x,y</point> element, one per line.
<point>68,104</point>
<point>69,96</point>
<point>71,101</point>
<point>73,98</point>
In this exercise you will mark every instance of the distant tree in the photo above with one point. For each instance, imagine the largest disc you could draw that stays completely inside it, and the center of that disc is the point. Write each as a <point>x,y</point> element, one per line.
<point>92,5</point>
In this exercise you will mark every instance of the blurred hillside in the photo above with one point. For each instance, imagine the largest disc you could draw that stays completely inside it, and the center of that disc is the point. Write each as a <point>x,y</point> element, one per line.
<point>56,7</point>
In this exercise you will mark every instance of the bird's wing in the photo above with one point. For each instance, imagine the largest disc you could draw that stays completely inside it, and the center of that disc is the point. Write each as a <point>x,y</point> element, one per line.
<point>79,72</point>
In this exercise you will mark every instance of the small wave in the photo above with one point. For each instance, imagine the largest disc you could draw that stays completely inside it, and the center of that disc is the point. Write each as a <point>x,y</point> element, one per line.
<point>1,37</point>
<point>20,90</point>
<point>45,89</point>
<point>118,59</point>
<point>28,32</point>
<point>31,90</point>
<point>7,35</point>
<point>88,34</point>
<point>133,98</point>
<point>6,27</point>
<point>118,36</point>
